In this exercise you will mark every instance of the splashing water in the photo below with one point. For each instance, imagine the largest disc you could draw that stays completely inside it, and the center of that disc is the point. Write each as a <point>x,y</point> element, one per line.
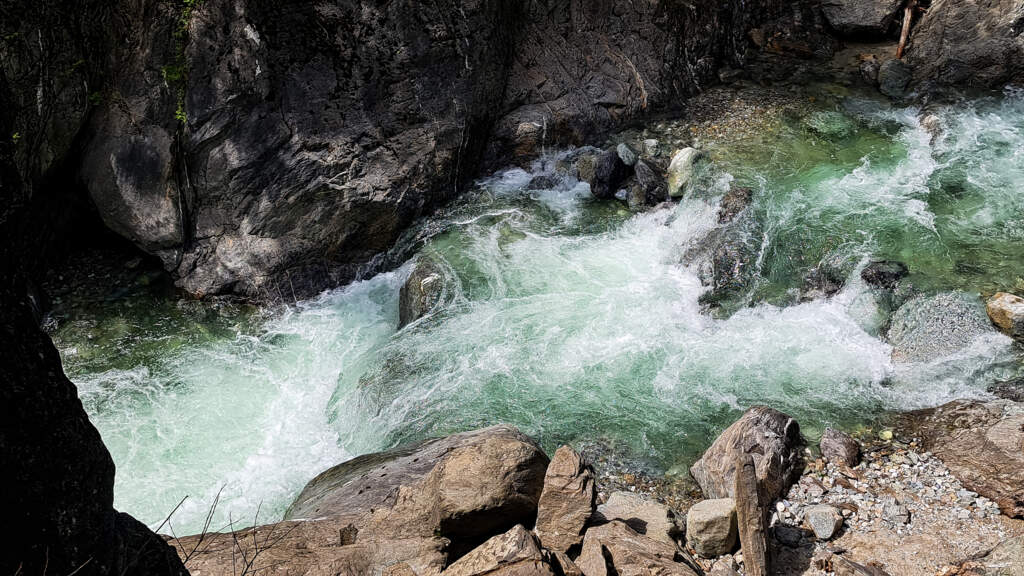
<point>575,320</point>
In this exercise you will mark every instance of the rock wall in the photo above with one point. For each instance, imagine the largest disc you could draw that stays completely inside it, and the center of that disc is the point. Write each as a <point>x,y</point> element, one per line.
<point>312,133</point>
<point>969,44</point>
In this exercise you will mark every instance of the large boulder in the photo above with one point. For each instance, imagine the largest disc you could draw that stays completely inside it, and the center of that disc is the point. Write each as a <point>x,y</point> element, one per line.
<point>861,18</point>
<point>1007,312</point>
<point>648,517</point>
<point>982,444</point>
<point>567,501</point>
<point>615,548</point>
<point>968,44</point>
<point>465,487</point>
<point>771,437</point>
<point>421,292</point>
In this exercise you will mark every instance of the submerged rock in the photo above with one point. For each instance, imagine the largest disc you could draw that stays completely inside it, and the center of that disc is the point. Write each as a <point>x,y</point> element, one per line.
<point>567,501</point>
<point>736,200</point>
<point>861,18</point>
<point>421,292</point>
<point>930,327</point>
<point>771,437</point>
<point>465,487</point>
<point>680,171</point>
<point>884,273</point>
<point>711,527</point>
<point>1007,312</point>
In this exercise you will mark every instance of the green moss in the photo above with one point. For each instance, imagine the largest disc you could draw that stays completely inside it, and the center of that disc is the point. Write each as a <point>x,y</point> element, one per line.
<point>176,74</point>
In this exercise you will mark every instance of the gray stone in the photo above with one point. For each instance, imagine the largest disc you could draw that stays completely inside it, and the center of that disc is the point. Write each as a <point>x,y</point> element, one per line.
<point>894,511</point>
<point>894,77</point>
<point>861,18</point>
<point>969,44</point>
<point>839,447</point>
<point>824,520</point>
<point>1007,312</point>
<point>711,527</point>
<point>651,148</point>
<point>645,516</point>
<point>567,501</point>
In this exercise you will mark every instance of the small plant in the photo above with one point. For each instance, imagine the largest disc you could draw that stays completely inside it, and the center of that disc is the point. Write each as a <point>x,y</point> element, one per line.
<point>95,98</point>
<point>15,137</point>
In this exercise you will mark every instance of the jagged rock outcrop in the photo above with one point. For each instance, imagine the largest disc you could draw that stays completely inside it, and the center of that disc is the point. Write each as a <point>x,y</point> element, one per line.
<point>968,44</point>
<point>861,18</point>
<point>273,149</point>
<point>771,437</point>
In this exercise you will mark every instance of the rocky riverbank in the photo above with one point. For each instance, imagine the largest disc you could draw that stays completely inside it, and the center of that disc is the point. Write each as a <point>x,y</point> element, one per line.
<point>894,502</point>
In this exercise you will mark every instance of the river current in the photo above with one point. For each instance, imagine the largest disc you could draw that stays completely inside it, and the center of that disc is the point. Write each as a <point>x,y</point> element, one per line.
<point>577,320</point>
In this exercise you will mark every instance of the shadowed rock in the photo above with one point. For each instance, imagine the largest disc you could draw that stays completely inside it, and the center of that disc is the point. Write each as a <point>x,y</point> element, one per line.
<point>861,18</point>
<point>615,548</point>
<point>514,553</point>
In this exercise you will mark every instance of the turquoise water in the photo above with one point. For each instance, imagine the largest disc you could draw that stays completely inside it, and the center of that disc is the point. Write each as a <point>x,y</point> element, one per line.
<point>577,320</point>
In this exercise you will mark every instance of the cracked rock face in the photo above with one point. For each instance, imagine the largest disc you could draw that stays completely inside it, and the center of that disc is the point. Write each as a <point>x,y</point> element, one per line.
<point>276,149</point>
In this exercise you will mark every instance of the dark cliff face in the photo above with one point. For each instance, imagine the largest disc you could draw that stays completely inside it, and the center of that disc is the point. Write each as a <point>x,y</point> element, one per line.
<point>58,476</point>
<point>314,132</point>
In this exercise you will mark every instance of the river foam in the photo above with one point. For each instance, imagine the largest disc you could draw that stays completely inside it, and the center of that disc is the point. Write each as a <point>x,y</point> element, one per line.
<point>576,320</point>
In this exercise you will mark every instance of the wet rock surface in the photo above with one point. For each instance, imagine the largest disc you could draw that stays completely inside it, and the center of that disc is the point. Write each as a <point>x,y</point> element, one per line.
<point>421,292</point>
